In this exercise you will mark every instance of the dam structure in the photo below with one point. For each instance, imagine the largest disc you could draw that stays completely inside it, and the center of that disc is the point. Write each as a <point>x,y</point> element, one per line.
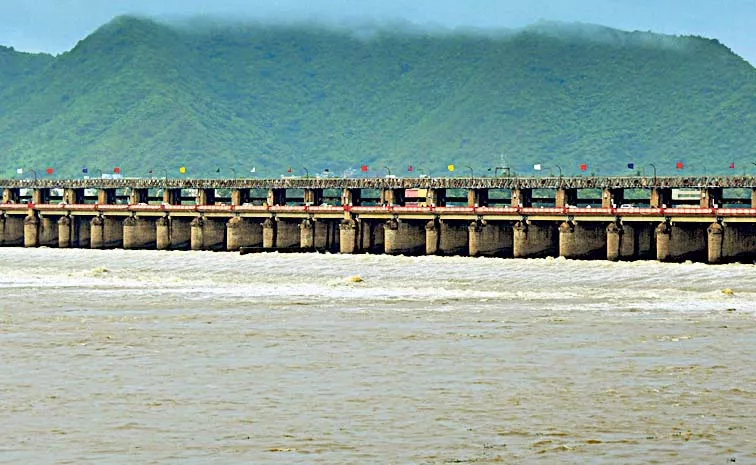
<point>706,219</point>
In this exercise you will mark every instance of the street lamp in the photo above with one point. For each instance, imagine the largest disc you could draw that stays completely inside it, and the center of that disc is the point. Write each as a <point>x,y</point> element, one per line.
<point>472,175</point>
<point>654,167</point>
<point>233,172</point>
<point>307,173</point>
<point>388,170</point>
<point>35,174</point>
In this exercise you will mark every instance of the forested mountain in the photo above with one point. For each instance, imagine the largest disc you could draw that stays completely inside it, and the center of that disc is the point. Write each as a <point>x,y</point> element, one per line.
<point>143,96</point>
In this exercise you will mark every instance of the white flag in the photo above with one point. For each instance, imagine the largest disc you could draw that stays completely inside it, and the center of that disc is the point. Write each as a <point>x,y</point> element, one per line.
<point>537,167</point>
<point>20,171</point>
<point>252,170</point>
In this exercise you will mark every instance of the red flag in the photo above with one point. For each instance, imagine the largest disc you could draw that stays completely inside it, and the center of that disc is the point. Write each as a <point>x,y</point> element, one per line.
<point>364,168</point>
<point>50,171</point>
<point>116,170</point>
<point>732,165</point>
<point>583,167</point>
<point>679,165</point>
<point>289,170</point>
<point>409,168</point>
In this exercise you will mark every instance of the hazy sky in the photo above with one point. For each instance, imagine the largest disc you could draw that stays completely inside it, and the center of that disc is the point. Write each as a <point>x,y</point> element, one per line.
<point>56,25</point>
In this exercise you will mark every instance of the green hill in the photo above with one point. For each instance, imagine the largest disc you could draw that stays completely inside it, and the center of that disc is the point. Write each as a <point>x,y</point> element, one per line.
<point>144,96</point>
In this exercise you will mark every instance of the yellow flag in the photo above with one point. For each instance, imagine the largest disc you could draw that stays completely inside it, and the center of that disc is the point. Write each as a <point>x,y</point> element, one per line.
<point>182,170</point>
<point>450,167</point>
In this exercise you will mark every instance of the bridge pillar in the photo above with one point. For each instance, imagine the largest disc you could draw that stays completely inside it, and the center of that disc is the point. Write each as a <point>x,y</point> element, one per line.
<point>239,196</point>
<point>208,233</point>
<point>490,239</point>
<point>436,198</point>
<point>404,237</point>
<point>477,197</point>
<point>41,195</point>
<point>65,226</point>
<point>173,233</point>
<point>280,234</point>
<point>172,196</point>
<point>566,196</point>
<point>753,197</point>
<point>582,240</point>
<point>320,235</point>
<point>731,243</point>
<point>535,239</point>
<point>522,197</point>
<point>680,242</point>
<point>611,197</point>
<point>351,197</point>
<point>106,196</point>
<point>139,233</point>
<point>446,238</point>
<point>241,232</point>
<point>313,196</point>
<point>73,196</point>
<point>31,230</point>
<point>711,196</point>
<point>392,197</point>
<point>11,195</point>
<point>205,196</point>
<point>661,197</point>
<point>348,236</point>
<point>628,241</point>
<point>11,230</point>
<point>276,196</point>
<point>80,231</point>
<point>371,236</point>
<point>139,195</point>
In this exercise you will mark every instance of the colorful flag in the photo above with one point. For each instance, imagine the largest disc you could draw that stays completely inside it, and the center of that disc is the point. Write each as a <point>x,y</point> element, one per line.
<point>537,167</point>
<point>363,168</point>
<point>732,165</point>
<point>50,171</point>
<point>583,167</point>
<point>409,168</point>
<point>289,170</point>
<point>182,170</point>
<point>85,170</point>
<point>252,170</point>
<point>150,171</point>
<point>630,166</point>
<point>217,170</point>
<point>450,167</point>
<point>679,165</point>
<point>20,171</point>
<point>117,170</point>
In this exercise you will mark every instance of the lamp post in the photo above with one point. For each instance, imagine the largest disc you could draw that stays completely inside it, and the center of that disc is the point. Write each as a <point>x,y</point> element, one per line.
<point>472,175</point>
<point>233,172</point>
<point>307,173</point>
<point>388,170</point>
<point>654,167</point>
<point>35,174</point>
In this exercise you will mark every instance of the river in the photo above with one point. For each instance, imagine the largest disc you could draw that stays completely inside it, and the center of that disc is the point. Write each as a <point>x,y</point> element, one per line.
<point>199,357</point>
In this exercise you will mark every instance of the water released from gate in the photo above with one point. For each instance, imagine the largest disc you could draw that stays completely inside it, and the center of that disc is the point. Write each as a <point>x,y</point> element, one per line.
<point>199,357</point>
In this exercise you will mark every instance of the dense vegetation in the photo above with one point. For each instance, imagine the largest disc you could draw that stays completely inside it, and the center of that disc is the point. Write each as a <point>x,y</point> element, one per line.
<point>146,96</point>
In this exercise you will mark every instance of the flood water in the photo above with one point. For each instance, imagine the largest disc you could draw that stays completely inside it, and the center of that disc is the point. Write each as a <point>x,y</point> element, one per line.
<point>199,357</point>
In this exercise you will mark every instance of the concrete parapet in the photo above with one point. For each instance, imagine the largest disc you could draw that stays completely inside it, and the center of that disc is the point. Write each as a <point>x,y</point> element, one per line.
<point>65,232</point>
<point>348,234</point>
<point>735,242</point>
<point>490,239</point>
<point>11,231</point>
<point>680,242</point>
<point>404,237</point>
<point>139,233</point>
<point>522,197</point>
<point>208,233</point>
<point>535,239</point>
<point>582,240</point>
<point>31,230</point>
<point>241,232</point>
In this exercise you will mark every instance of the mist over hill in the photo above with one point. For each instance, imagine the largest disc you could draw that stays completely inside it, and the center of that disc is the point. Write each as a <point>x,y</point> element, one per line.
<point>209,95</point>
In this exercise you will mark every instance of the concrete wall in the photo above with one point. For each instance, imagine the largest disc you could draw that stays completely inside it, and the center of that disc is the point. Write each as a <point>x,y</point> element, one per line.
<point>582,240</point>
<point>173,233</point>
<point>106,233</point>
<point>348,234</point>
<point>490,239</point>
<point>242,232</point>
<point>48,231</point>
<point>279,233</point>
<point>372,236</point>
<point>65,232</point>
<point>733,242</point>
<point>681,241</point>
<point>139,233</point>
<point>535,239</point>
<point>31,230</point>
<point>11,231</point>
<point>446,238</point>
<point>404,237</point>
<point>208,233</point>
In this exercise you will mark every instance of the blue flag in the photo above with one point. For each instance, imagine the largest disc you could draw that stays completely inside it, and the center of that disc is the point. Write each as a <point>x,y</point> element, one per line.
<point>84,170</point>
<point>630,166</point>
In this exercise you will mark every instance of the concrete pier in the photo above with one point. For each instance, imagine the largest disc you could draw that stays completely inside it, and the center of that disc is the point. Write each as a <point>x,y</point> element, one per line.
<point>446,237</point>
<point>31,230</point>
<point>106,196</point>
<point>173,233</point>
<point>612,198</point>
<point>11,231</point>
<point>172,196</point>
<point>106,233</point>
<point>139,195</point>
<point>565,196</point>
<point>436,197</point>
<point>348,235</point>
<point>205,197</point>
<point>372,236</point>
<point>711,197</point>
<point>681,241</point>
<point>392,197</point>
<point>48,231</point>
<point>320,235</point>
<point>313,196</point>
<point>661,197</point>
<point>351,197</point>
<point>208,233</point>
<point>582,240</point>
<point>729,243</point>
<point>522,197</point>
<point>535,239</point>
<point>64,232</point>
<point>278,233</point>
<point>477,197</point>
<point>41,195</point>
<point>276,196</point>
<point>404,237</point>
<point>239,196</point>
<point>630,241</point>
<point>242,232</point>
<point>139,233</point>
<point>11,195</point>
<point>490,239</point>
<point>73,196</point>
